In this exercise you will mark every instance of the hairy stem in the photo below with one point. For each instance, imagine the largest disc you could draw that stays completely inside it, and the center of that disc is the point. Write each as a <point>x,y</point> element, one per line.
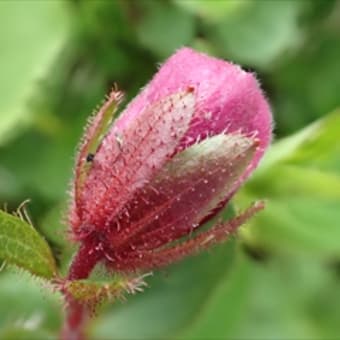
<point>76,313</point>
<point>75,321</point>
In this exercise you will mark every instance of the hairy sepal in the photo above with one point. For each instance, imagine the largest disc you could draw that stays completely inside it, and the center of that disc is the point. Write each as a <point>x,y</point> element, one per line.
<point>129,157</point>
<point>218,163</point>
<point>97,128</point>
<point>197,242</point>
<point>183,193</point>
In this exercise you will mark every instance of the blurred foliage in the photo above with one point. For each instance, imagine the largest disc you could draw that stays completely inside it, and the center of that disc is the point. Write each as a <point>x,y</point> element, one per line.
<point>280,278</point>
<point>300,174</point>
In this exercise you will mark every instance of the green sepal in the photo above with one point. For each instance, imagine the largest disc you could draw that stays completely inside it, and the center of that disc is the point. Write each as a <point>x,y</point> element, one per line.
<point>96,292</point>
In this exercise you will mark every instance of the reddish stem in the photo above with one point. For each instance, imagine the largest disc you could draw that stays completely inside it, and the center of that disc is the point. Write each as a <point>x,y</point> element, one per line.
<point>76,313</point>
<point>76,320</point>
<point>85,260</point>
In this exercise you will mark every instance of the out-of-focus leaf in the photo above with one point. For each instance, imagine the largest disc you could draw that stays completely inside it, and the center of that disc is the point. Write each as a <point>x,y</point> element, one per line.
<point>22,333</point>
<point>165,28</point>
<point>317,146</point>
<point>31,36</point>
<point>8,185</point>
<point>212,10</point>
<point>48,171</point>
<point>171,302</point>
<point>23,303</point>
<point>223,308</point>
<point>282,298</point>
<point>319,10</point>
<point>289,298</point>
<point>103,20</point>
<point>53,226</point>
<point>103,26</point>
<point>307,86</point>
<point>298,224</point>
<point>21,245</point>
<point>300,177</point>
<point>259,31</point>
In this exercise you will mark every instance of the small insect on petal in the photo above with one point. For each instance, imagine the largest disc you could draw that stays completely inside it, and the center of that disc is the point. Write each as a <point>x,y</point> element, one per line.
<point>90,157</point>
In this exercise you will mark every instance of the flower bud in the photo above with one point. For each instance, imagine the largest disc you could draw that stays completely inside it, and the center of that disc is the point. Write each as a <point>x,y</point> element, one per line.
<point>173,158</point>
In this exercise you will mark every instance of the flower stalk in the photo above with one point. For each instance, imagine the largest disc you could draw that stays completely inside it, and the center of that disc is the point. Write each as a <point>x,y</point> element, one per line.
<point>171,161</point>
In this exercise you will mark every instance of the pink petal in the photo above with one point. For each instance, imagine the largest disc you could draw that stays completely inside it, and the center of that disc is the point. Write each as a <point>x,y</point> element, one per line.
<point>228,98</point>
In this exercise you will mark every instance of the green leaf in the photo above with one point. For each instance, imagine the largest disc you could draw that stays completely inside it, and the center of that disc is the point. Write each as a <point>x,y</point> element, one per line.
<point>224,306</point>
<point>307,84</point>
<point>21,245</point>
<point>31,36</point>
<point>24,303</point>
<point>300,178</point>
<point>290,297</point>
<point>258,32</point>
<point>160,18</point>
<point>48,171</point>
<point>22,333</point>
<point>212,10</point>
<point>316,146</point>
<point>321,148</point>
<point>295,297</point>
<point>298,224</point>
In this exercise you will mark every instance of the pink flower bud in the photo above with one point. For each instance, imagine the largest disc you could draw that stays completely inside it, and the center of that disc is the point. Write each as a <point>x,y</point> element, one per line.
<point>172,159</point>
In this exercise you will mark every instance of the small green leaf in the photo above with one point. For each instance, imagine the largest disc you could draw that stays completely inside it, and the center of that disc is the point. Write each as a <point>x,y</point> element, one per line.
<point>159,18</point>
<point>21,245</point>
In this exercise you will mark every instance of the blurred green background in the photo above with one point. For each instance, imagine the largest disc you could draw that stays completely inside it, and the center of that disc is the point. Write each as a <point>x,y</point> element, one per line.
<point>280,278</point>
